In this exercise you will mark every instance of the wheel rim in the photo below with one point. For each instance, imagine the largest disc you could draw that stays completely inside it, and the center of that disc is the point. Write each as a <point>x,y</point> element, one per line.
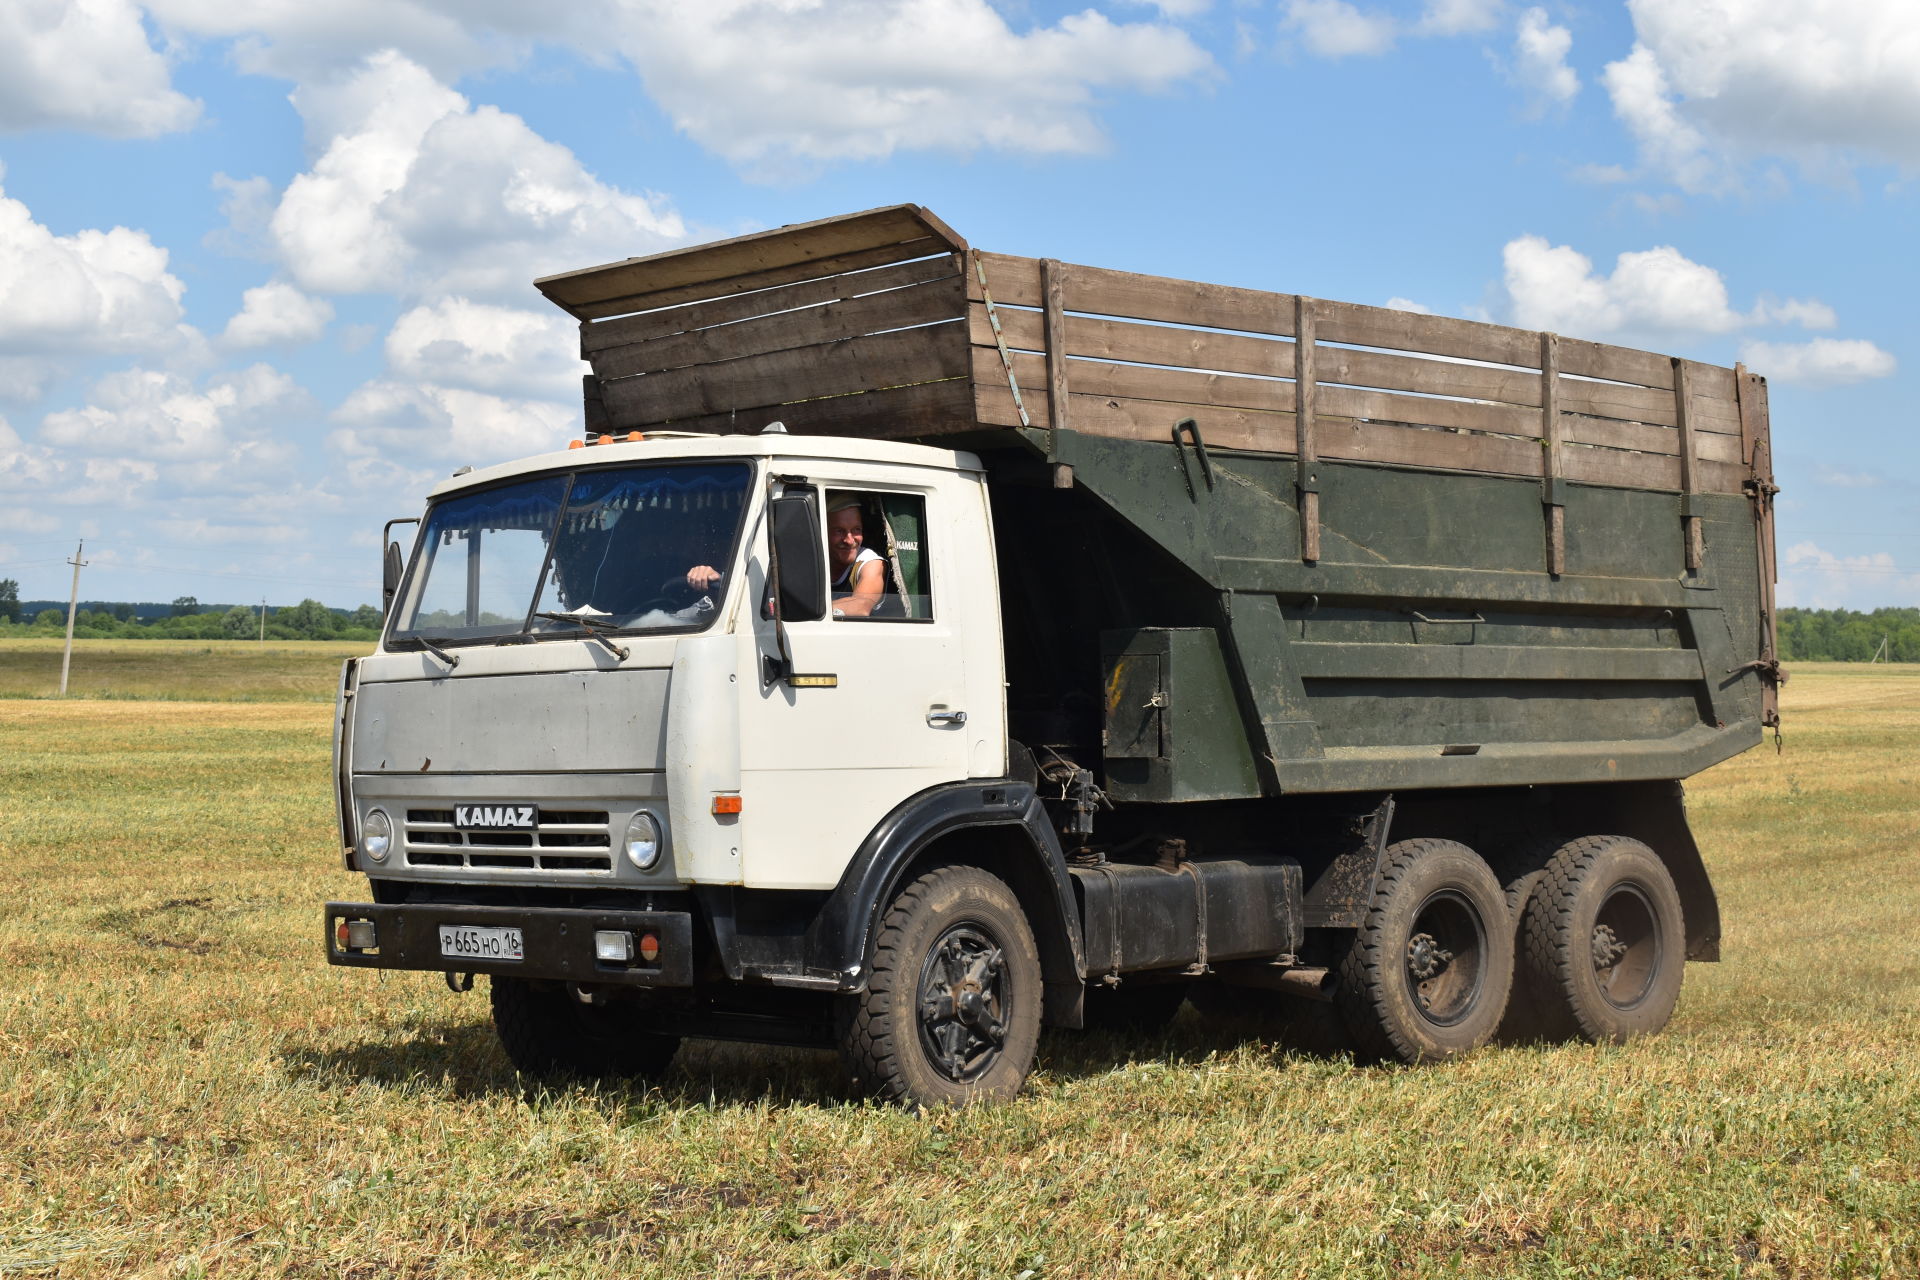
<point>962,1001</point>
<point>1625,946</point>
<point>1446,958</point>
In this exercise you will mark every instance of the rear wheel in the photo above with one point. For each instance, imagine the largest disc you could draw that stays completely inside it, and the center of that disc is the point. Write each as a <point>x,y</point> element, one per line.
<point>1428,974</point>
<point>951,1013</point>
<point>547,1030</point>
<point>1603,941</point>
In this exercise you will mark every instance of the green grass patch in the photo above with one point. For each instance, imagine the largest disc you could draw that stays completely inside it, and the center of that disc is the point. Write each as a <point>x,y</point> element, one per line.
<point>187,1089</point>
<point>178,670</point>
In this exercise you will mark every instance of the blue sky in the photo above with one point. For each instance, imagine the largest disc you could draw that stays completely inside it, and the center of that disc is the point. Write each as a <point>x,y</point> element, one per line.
<point>265,265</point>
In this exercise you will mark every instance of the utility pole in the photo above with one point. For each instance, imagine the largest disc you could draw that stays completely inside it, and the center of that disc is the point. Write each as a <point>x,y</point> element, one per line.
<point>73,601</point>
<point>263,621</point>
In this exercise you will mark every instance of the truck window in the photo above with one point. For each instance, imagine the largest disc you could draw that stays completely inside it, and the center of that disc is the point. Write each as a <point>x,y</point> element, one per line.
<point>611,546</point>
<point>892,529</point>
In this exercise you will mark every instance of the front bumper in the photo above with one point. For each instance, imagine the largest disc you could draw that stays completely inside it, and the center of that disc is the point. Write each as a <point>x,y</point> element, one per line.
<point>558,942</point>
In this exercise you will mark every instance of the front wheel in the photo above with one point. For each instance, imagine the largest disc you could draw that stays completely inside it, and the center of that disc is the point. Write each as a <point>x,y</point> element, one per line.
<point>951,1013</point>
<point>547,1030</point>
<point>1603,941</point>
<point>1429,971</point>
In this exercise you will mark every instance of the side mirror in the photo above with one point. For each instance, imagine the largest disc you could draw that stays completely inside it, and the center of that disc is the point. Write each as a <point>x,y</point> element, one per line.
<point>390,579</point>
<point>799,555</point>
<point>392,564</point>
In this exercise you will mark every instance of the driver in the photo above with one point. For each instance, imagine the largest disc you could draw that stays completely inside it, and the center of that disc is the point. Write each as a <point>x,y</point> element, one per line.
<point>859,581</point>
<point>860,577</point>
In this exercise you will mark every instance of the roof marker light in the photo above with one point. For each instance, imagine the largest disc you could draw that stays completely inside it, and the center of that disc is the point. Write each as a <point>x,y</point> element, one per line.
<point>576,444</point>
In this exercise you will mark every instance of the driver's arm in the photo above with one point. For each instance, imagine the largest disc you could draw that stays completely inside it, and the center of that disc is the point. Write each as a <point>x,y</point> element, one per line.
<point>869,586</point>
<point>702,577</point>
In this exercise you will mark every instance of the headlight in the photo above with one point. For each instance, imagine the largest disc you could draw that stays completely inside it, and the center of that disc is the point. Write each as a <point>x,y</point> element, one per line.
<point>376,835</point>
<point>643,840</point>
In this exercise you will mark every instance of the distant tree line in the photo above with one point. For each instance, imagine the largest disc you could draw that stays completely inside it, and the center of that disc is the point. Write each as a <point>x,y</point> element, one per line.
<point>185,619</point>
<point>1841,635</point>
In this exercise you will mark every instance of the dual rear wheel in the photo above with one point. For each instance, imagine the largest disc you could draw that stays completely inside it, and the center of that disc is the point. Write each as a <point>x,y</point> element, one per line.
<point>1588,942</point>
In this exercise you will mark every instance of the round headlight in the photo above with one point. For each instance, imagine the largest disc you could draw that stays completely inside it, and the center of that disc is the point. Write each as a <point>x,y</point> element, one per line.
<point>643,840</point>
<point>376,835</point>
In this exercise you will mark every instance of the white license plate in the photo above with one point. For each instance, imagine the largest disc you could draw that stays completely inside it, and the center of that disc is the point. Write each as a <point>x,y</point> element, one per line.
<point>479,942</point>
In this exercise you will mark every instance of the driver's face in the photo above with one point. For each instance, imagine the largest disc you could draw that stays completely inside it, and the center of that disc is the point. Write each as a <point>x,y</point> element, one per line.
<point>845,535</point>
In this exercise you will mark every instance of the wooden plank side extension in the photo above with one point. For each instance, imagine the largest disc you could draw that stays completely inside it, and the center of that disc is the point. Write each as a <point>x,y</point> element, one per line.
<point>854,261</point>
<point>869,363</point>
<point>1265,431</point>
<point>600,335</point>
<point>919,304</point>
<point>892,413</point>
<point>632,282</point>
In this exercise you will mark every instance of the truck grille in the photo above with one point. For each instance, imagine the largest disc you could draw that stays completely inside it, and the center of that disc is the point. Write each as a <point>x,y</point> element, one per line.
<point>567,840</point>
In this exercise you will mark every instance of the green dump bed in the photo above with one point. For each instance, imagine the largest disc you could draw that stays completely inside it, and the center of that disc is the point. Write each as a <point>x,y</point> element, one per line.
<point>1433,552</point>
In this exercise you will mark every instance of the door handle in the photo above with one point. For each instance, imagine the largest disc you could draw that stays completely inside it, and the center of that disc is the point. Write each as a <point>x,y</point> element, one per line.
<point>946,717</point>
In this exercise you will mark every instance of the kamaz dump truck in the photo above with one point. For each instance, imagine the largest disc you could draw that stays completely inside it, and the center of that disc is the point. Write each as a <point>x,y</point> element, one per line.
<point>924,646</point>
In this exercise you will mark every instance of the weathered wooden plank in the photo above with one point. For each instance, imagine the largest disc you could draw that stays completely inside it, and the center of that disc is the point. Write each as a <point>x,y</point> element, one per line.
<point>1712,382</point>
<point>1307,397</point>
<point>813,270</point>
<point>1014,282</point>
<point>1186,302</point>
<point>896,413</point>
<point>1429,377</point>
<point>1053,281</point>
<point>1465,415</point>
<point>799,373</point>
<point>1360,326</point>
<point>917,304</point>
<point>781,248</point>
<point>599,335</point>
<point>1552,437</point>
<point>1615,400</point>
<point>1182,386</point>
<point>1647,438</point>
<point>1615,364</point>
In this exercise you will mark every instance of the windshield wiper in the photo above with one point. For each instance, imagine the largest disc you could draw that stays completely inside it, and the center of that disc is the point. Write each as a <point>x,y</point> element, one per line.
<point>591,628</point>
<point>433,647</point>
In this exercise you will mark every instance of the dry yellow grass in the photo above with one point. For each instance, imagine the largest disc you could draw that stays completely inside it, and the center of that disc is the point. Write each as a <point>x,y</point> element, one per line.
<point>177,670</point>
<point>186,1089</point>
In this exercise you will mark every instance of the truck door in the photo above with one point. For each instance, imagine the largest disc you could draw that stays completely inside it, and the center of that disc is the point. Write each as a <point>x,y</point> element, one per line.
<point>879,708</point>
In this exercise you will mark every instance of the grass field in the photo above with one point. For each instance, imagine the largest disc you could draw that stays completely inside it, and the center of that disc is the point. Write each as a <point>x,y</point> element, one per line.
<point>177,670</point>
<point>186,1088</point>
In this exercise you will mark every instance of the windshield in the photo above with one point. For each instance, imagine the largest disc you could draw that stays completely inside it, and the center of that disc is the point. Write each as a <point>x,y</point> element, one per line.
<point>613,548</point>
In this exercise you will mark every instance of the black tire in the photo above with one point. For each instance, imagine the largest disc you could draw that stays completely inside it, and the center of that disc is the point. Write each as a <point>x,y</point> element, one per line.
<point>1522,870</point>
<point>548,1032</point>
<point>1428,974</point>
<point>951,1013</point>
<point>1603,942</point>
<point>1134,1007</point>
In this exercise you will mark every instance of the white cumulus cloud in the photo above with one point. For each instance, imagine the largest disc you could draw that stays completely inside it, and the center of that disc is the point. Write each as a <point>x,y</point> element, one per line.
<point>93,291</point>
<point>1657,290</point>
<point>388,422</point>
<point>1711,80</point>
<point>1336,29</point>
<point>1459,17</point>
<point>276,313</point>
<point>150,413</point>
<point>1540,59</point>
<point>1823,362</point>
<point>505,350</point>
<point>418,192</point>
<point>770,84</point>
<point>1813,577</point>
<point>87,65</point>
